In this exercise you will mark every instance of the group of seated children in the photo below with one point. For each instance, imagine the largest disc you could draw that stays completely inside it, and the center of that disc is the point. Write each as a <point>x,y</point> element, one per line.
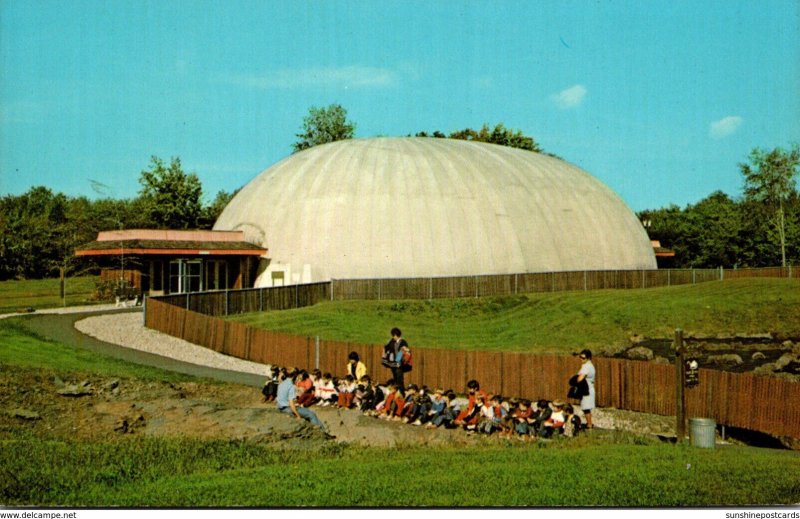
<point>316,388</point>
<point>476,412</point>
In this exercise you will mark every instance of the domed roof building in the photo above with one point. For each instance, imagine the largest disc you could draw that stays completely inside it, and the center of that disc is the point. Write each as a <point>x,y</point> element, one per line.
<point>427,207</point>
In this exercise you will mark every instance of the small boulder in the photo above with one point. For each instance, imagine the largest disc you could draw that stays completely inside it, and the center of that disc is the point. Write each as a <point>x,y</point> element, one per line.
<point>725,359</point>
<point>785,360</point>
<point>758,356</point>
<point>81,389</point>
<point>639,353</point>
<point>111,385</point>
<point>25,414</point>
<point>787,345</point>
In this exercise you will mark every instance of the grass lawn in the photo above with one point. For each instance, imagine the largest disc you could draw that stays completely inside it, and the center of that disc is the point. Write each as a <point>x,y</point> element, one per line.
<point>554,322</point>
<point>17,296</point>
<point>605,470</point>
<point>21,348</point>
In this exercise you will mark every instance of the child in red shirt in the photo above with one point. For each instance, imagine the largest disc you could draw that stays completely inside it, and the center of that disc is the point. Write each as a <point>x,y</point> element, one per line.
<point>476,398</point>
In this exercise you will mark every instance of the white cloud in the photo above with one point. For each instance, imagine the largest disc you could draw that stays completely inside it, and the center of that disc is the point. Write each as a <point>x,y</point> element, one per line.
<point>348,76</point>
<point>570,97</point>
<point>724,127</point>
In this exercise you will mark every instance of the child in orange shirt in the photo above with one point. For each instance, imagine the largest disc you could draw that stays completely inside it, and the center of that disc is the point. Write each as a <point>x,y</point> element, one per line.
<point>476,398</point>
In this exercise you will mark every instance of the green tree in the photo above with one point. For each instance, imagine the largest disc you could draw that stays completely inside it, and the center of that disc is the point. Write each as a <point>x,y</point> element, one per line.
<point>497,135</point>
<point>323,125</point>
<point>33,233</point>
<point>212,211</point>
<point>172,196</point>
<point>769,179</point>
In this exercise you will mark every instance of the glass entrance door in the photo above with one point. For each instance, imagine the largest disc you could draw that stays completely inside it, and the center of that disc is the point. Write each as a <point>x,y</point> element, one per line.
<point>185,276</point>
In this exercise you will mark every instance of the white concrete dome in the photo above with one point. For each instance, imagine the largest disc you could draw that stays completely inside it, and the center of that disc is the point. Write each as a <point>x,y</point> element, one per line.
<point>420,207</point>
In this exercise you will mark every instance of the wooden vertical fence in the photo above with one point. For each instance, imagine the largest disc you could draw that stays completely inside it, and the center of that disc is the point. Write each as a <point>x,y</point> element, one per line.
<point>766,404</point>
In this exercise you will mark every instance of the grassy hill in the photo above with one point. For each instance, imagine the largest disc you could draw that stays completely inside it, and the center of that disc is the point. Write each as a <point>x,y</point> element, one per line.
<point>554,322</point>
<point>17,296</point>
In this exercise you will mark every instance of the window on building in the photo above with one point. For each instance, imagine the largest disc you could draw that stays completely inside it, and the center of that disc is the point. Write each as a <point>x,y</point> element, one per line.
<point>185,276</point>
<point>216,275</point>
<point>157,276</point>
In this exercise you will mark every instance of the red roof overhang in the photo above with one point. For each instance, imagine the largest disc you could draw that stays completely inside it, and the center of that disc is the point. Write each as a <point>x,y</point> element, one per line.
<point>170,252</point>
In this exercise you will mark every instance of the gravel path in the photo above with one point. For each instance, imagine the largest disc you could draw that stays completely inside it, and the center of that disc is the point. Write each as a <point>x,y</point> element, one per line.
<point>127,330</point>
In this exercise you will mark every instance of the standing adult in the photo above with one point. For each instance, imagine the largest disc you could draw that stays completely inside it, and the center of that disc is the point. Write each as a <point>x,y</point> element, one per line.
<point>286,400</point>
<point>587,372</point>
<point>393,356</point>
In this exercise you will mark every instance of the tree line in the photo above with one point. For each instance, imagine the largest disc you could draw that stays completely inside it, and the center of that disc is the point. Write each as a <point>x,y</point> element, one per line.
<point>759,229</point>
<point>40,229</point>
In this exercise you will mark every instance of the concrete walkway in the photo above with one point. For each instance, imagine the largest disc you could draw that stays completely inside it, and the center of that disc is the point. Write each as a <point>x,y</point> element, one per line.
<point>59,325</point>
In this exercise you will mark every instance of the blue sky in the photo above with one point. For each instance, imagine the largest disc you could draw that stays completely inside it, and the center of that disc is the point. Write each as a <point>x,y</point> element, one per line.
<point>659,99</point>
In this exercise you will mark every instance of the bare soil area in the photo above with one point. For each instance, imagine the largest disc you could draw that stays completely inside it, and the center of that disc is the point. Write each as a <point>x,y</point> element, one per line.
<point>104,408</point>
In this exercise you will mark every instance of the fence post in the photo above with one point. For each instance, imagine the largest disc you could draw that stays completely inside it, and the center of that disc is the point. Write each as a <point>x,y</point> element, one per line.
<point>585,284</point>
<point>296,288</point>
<point>187,300</point>
<point>227,310</point>
<point>643,281</point>
<point>516,284</point>
<point>721,273</point>
<point>430,291</point>
<point>260,299</point>
<point>693,277</point>
<point>380,287</point>
<point>680,382</point>
<point>669,277</point>
<point>316,353</point>
<point>332,283</point>
<point>476,286</point>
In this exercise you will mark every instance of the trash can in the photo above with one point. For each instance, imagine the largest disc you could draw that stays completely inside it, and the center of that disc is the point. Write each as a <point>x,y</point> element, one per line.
<point>702,432</point>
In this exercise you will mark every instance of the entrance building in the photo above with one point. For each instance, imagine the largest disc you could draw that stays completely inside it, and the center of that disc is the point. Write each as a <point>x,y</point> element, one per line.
<point>158,262</point>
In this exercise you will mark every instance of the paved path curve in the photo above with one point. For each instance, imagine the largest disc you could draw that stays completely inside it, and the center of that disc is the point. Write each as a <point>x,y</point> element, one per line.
<point>61,328</point>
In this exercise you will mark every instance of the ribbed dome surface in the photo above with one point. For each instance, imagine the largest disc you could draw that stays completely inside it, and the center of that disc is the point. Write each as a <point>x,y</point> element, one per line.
<point>414,207</point>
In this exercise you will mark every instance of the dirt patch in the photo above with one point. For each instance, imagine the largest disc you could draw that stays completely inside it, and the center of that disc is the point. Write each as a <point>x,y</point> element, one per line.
<point>34,403</point>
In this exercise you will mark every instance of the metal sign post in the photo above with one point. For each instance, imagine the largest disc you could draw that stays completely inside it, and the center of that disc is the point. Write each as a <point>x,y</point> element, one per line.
<point>680,383</point>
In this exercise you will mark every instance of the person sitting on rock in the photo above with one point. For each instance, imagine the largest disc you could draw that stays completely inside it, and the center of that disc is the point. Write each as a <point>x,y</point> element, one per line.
<point>468,416</point>
<point>448,413</point>
<point>370,397</point>
<point>393,403</point>
<point>572,425</point>
<point>492,414</point>
<point>305,389</point>
<point>555,424</point>
<point>541,414</point>
<point>324,390</point>
<point>347,392</point>
<point>522,418</point>
<point>355,367</point>
<point>270,389</point>
<point>421,405</point>
<point>286,400</point>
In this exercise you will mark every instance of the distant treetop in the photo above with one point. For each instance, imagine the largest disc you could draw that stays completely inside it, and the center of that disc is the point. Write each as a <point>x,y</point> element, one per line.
<point>497,135</point>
